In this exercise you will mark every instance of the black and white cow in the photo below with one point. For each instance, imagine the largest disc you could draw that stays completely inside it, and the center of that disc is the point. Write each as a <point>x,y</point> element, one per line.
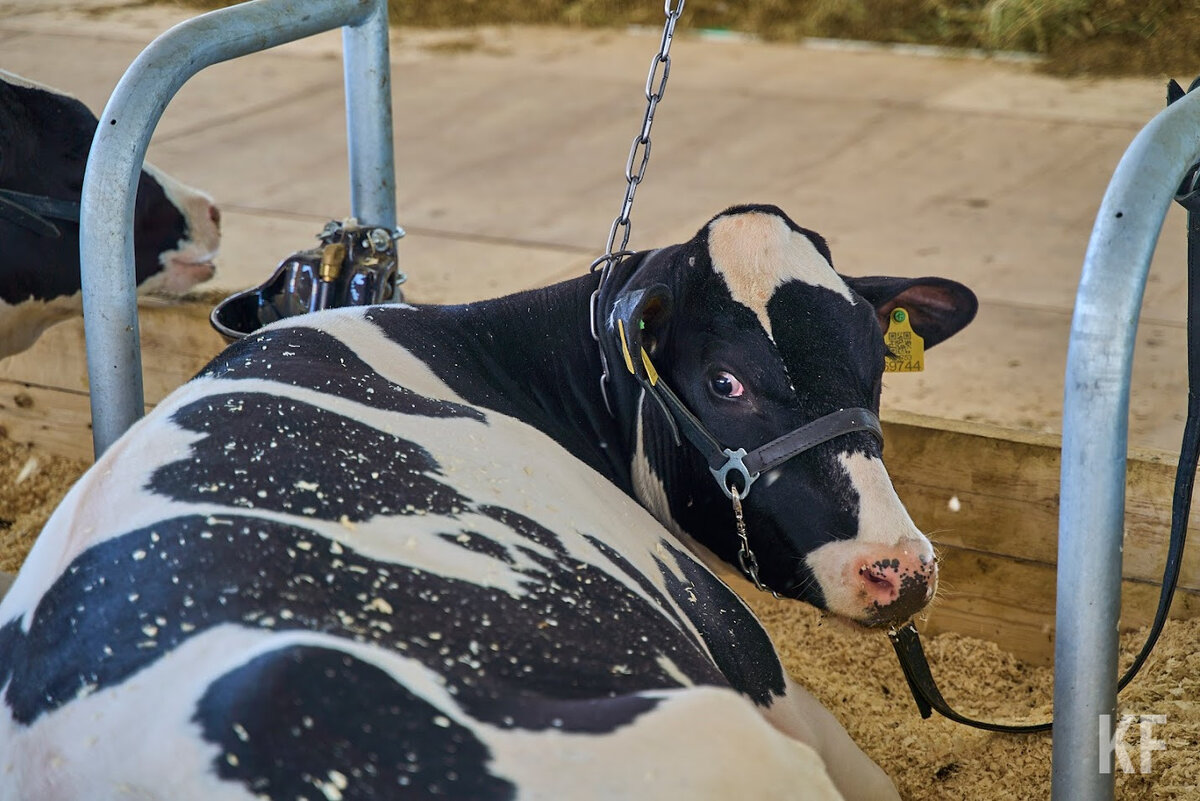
<point>45,136</point>
<point>392,552</point>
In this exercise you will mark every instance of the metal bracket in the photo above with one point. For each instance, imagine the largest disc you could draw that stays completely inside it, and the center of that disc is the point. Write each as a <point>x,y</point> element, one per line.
<point>733,461</point>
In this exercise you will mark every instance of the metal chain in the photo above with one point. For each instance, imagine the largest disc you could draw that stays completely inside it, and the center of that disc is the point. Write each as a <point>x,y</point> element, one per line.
<point>656,87</point>
<point>747,561</point>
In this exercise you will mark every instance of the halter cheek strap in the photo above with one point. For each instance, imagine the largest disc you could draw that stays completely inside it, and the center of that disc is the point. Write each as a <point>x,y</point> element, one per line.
<point>725,463</point>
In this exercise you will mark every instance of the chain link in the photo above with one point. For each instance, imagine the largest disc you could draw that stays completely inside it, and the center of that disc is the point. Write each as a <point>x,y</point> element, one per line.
<point>656,87</point>
<point>639,155</point>
<point>747,561</point>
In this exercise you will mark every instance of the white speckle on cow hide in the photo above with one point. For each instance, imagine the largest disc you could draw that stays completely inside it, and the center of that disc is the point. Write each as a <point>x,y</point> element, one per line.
<point>673,670</point>
<point>756,253</point>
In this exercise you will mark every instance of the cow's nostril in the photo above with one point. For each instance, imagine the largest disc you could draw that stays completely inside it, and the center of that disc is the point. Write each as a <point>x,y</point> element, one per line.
<point>214,214</point>
<point>875,577</point>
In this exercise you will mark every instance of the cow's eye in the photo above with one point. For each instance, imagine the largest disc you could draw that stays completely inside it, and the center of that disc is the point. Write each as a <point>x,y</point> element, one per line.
<point>726,385</point>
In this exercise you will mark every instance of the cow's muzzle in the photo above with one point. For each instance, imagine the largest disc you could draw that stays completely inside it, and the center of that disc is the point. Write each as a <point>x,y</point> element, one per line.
<point>875,584</point>
<point>897,590</point>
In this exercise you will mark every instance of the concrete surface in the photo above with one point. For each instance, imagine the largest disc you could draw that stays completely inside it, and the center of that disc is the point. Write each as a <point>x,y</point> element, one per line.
<point>511,143</point>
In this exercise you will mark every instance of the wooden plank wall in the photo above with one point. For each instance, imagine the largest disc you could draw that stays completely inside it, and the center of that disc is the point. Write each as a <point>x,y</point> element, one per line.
<point>997,551</point>
<point>44,391</point>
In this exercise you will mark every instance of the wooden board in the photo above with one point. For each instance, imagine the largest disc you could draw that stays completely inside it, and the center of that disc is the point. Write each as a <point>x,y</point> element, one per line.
<point>43,391</point>
<point>998,549</point>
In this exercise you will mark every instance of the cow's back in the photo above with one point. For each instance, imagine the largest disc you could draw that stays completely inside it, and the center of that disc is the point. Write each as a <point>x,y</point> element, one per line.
<point>316,570</point>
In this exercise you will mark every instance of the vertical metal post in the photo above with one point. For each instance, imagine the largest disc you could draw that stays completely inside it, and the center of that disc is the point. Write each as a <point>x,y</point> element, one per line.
<point>1095,430</point>
<point>119,147</point>
<point>369,120</point>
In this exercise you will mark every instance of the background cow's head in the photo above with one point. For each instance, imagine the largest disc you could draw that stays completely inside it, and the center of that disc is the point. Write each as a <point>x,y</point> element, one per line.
<point>45,137</point>
<point>758,335</point>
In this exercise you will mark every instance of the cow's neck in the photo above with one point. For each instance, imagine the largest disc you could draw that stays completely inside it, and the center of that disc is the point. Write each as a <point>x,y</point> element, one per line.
<point>535,359</point>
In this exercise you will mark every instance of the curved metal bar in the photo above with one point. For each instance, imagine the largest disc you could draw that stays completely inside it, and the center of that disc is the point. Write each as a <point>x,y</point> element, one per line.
<point>1095,431</point>
<point>119,147</point>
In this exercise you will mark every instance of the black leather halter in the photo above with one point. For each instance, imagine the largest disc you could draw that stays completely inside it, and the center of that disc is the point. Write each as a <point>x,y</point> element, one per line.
<point>34,212</point>
<point>724,462</point>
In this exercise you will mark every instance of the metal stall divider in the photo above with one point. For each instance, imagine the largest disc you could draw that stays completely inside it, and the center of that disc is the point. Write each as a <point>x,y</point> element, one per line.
<point>1095,433</point>
<point>119,147</point>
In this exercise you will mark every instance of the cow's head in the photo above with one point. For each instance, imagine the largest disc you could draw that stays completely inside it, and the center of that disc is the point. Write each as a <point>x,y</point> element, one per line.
<point>45,137</point>
<point>758,335</point>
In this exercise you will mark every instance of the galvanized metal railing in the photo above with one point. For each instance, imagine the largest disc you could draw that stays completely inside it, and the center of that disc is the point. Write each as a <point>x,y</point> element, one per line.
<point>1095,433</point>
<point>127,123</point>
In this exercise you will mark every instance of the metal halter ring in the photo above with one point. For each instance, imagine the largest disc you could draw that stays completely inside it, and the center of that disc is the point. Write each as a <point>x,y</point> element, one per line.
<point>734,462</point>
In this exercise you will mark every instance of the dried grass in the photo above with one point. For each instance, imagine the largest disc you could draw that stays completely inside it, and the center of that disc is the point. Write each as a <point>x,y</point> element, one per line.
<point>32,483</point>
<point>1100,37</point>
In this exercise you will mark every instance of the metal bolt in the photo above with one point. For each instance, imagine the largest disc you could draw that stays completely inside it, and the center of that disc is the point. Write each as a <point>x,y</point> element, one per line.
<point>379,239</point>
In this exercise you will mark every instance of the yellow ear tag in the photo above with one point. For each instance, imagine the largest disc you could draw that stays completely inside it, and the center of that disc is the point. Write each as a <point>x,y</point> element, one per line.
<point>907,347</point>
<point>625,348</point>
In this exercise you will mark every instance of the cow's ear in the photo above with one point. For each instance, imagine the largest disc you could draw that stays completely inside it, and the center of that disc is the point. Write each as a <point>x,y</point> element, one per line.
<point>638,319</point>
<point>937,307</point>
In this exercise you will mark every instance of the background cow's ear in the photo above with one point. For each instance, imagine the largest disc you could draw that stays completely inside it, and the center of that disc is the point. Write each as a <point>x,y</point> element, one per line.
<point>937,307</point>
<point>637,322</point>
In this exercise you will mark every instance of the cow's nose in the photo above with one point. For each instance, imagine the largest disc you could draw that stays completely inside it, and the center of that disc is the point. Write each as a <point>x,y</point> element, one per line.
<point>897,587</point>
<point>214,214</point>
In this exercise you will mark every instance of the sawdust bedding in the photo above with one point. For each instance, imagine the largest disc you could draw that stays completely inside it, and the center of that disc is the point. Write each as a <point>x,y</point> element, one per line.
<point>32,483</point>
<point>856,676</point>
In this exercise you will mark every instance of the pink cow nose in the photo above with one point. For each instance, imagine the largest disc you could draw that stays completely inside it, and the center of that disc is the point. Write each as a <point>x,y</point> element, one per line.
<point>897,587</point>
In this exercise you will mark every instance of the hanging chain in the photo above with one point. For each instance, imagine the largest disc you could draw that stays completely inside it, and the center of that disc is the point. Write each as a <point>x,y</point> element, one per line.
<point>747,561</point>
<point>639,155</point>
<point>656,87</point>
